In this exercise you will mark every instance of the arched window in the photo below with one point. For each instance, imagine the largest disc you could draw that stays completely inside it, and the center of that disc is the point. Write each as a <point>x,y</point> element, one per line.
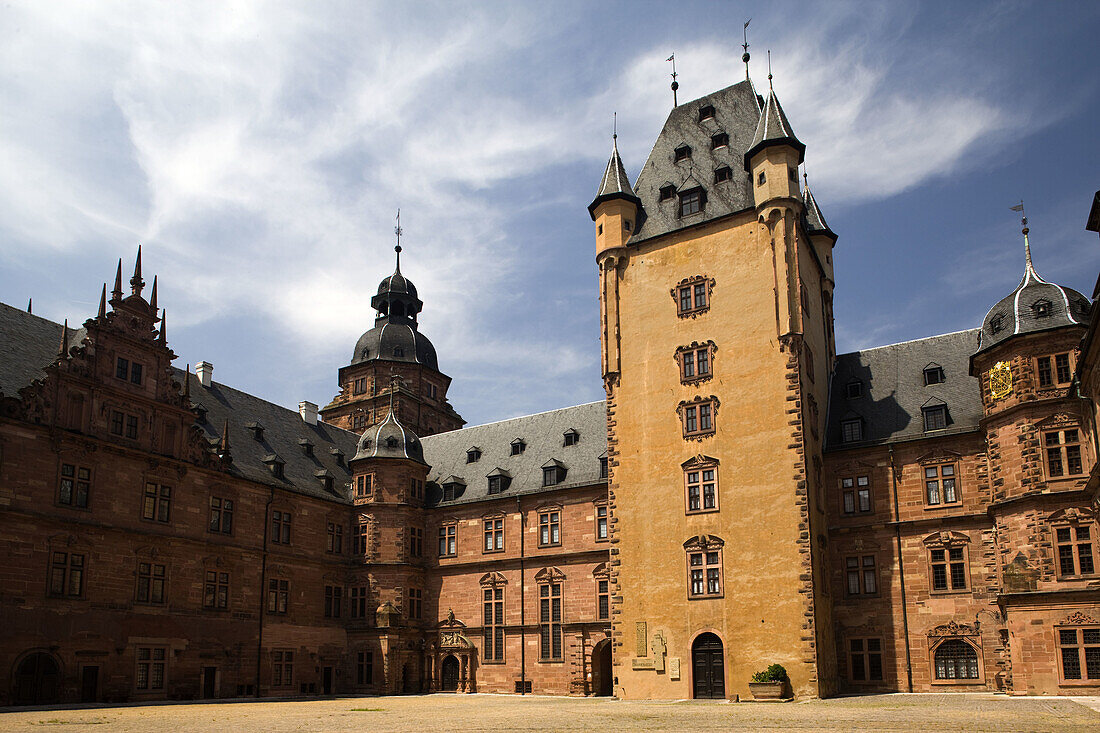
<point>956,660</point>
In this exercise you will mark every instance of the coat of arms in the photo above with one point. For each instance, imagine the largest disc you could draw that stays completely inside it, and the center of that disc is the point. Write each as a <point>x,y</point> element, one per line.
<point>1000,380</point>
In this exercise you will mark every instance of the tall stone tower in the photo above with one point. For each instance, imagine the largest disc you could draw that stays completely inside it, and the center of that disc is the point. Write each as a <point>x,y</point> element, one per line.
<point>715,291</point>
<point>394,346</point>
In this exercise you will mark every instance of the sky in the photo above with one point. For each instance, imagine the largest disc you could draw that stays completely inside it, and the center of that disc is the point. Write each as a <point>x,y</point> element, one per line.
<point>258,151</point>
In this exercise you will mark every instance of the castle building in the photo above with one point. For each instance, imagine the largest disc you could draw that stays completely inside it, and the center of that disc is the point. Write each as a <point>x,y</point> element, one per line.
<point>920,516</point>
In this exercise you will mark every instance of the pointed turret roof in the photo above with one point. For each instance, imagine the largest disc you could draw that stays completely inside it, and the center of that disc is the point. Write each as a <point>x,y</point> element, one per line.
<point>773,128</point>
<point>615,183</point>
<point>815,220</point>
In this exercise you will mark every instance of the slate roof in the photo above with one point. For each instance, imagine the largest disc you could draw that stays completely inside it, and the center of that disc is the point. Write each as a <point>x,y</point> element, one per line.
<point>283,434</point>
<point>390,439</point>
<point>395,339</point>
<point>815,220</point>
<point>773,128</point>
<point>736,113</point>
<point>1016,313</point>
<point>544,435</point>
<point>894,391</point>
<point>28,344</point>
<point>615,183</point>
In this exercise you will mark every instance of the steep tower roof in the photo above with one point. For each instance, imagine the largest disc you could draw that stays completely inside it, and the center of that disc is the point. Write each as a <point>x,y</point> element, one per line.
<point>395,336</point>
<point>390,439</point>
<point>615,183</point>
<point>773,128</point>
<point>815,220</point>
<point>1035,305</point>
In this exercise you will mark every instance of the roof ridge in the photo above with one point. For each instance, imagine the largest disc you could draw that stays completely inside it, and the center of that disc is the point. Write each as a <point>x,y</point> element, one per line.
<point>517,417</point>
<point>910,341</point>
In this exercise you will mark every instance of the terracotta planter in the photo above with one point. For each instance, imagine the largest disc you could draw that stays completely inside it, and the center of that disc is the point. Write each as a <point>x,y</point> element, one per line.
<point>769,690</point>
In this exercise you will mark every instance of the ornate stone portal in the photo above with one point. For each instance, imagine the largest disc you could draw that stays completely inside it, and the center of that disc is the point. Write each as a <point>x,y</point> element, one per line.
<point>453,658</point>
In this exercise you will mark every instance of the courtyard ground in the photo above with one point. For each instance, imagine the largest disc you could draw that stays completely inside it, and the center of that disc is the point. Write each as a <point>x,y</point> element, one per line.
<point>955,712</point>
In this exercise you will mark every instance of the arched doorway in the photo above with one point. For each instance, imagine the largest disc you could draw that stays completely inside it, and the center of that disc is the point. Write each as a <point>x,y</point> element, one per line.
<point>449,674</point>
<point>602,681</point>
<point>708,667</point>
<point>37,680</point>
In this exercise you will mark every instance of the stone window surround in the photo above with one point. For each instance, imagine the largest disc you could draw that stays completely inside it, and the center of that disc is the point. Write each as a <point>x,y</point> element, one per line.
<point>704,544</point>
<point>710,347</point>
<point>854,488</point>
<point>971,639</point>
<point>946,541</point>
<point>696,403</point>
<point>490,530</point>
<point>1078,621</point>
<point>1060,426</point>
<point>697,464</point>
<point>938,462</point>
<point>596,506</point>
<point>690,282</point>
<point>1072,519</point>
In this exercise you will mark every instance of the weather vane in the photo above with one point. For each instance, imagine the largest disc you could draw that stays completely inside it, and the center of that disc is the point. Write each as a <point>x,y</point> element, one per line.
<point>398,231</point>
<point>745,45</point>
<point>675,84</point>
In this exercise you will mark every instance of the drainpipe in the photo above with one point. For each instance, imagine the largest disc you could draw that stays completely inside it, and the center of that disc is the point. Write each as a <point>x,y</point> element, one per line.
<point>522,604</point>
<point>901,574</point>
<point>263,574</point>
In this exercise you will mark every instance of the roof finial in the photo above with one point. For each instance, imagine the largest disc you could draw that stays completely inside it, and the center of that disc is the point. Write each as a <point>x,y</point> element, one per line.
<point>64,340</point>
<point>675,84</point>
<point>398,231</point>
<point>745,45</point>
<point>153,298</point>
<point>770,89</point>
<point>136,283</point>
<point>103,303</point>
<point>1027,245</point>
<point>614,128</point>
<point>116,293</point>
<point>29,304</point>
<point>223,444</point>
<point>187,385</point>
<point>162,335</point>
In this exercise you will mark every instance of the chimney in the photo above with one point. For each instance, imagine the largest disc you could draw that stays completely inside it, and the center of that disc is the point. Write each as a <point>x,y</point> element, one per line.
<point>204,370</point>
<point>308,411</point>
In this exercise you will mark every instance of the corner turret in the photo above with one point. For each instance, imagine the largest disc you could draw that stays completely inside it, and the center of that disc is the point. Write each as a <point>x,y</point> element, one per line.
<point>774,155</point>
<point>616,208</point>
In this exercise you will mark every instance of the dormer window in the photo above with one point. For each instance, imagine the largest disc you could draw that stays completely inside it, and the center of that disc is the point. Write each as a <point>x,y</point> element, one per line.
<point>326,479</point>
<point>681,153</point>
<point>338,455</point>
<point>723,174</point>
<point>307,447</point>
<point>1041,308</point>
<point>933,374</point>
<point>257,430</point>
<point>997,324</point>
<point>854,389</point>
<point>200,413</point>
<point>499,482</point>
<point>935,417</point>
<point>851,431</point>
<point>274,464</point>
<point>453,489</point>
<point>571,437</point>
<point>518,446</point>
<point>667,192</point>
<point>692,202</point>
<point>391,443</point>
<point>719,140</point>
<point>706,112</point>
<point>473,455</point>
<point>398,351</point>
<point>553,473</point>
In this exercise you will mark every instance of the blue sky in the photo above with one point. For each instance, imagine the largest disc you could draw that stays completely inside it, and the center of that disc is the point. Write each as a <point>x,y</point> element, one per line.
<point>258,151</point>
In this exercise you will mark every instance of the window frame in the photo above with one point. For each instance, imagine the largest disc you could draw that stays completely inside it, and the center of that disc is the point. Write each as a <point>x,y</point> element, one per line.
<point>1063,448</point>
<point>334,538</point>
<point>1049,372</point>
<point>934,374</point>
<point>281,521</point>
<point>492,534</point>
<point>221,515</point>
<point>151,587</point>
<point>150,662</point>
<point>934,418</point>
<point>416,542</point>
<point>1075,544</point>
<point>692,366</point>
<point>79,485</point>
<point>493,637</point>
<point>215,590</point>
<point>949,563</point>
<point>601,522</point>
<point>62,567</point>
<point>934,650</point>
<point>156,502</point>
<point>549,527</point>
<point>847,435</point>
<point>278,596</point>
<point>691,202</point>
<point>940,478</point>
<point>415,602</point>
<point>448,539</point>
<point>699,469</point>
<point>704,547</point>
<point>865,655</point>
<point>855,486</point>
<point>551,602</point>
<point>696,413</point>
<point>603,597</point>
<point>282,668</point>
<point>862,567</point>
<point>1080,645</point>
<point>688,293</point>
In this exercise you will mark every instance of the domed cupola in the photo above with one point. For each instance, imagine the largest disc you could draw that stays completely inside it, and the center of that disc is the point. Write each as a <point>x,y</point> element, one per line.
<point>390,439</point>
<point>395,336</point>
<point>1035,305</point>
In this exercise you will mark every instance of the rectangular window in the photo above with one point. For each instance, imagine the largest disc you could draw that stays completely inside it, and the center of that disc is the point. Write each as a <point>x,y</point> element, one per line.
<point>493,624</point>
<point>939,485</point>
<point>282,668</point>
<point>949,569</point>
<point>1061,368</point>
<point>358,602</point>
<point>364,668</point>
<point>601,522</point>
<point>363,485</point>
<point>935,418</point>
<point>549,529</point>
<point>416,542</point>
<point>151,667</point>
<point>855,493</point>
<point>334,601</point>
<point>362,537</point>
<point>280,527</point>
<point>1046,376</point>
<point>334,541</point>
<point>76,482</point>
<point>705,573</point>
<point>861,576</point>
<point>550,641</point>
<point>157,502</point>
<point>851,431</point>
<point>691,421</point>
<point>117,420</point>
<point>603,467</point>
<point>278,593</point>
<point>135,373</point>
<point>691,202</point>
<point>702,489</point>
<point>216,592</point>
<point>221,515</point>
<point>685,299</point>
<point>447,544</point>
<point>131,427</point>
<point>150,582</point>
<point>865,660</point>
<point>416,603</point>
<point>122,368</point>
<point>66,575</point>
<point>1063,453</point>
<point>494,535</point>
<point>1079,650</point>
<point>1075,550</point>
<point>359,386</point>
<point>692,296</point>
<point>603,599</point>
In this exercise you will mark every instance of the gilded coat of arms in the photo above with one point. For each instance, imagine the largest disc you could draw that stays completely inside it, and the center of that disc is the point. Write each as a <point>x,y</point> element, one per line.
<point>1000,380</point>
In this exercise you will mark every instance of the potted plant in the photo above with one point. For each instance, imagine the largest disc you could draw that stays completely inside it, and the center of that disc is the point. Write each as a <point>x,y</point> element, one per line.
<point>770,684</point>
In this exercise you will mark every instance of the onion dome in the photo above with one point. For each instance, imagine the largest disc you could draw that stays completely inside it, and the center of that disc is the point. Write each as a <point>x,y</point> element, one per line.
<point>1035,305</point>
<point>394,336</point>
<point>390,439</point>
<point>773,128</point>
<point>615,184</point>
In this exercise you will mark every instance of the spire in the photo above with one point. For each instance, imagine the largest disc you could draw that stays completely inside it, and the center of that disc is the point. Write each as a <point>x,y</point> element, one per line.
<point>1029,268</point>
<point>187,385</point>
<point>103,304</point>
<point>773,128</point>
<point>161,336</point>
<point>398,231</point>
<point>223,444</point>
<point>136,283</point>
<point>615,183</point>
<point>153,298</point>
<point>64,348</point>
<point>116,293</point>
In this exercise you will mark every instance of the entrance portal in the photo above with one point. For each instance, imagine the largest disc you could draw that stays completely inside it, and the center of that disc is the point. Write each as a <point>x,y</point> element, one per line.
<point>708,667</point>
<point>37,680</point>
<point>450,674</point>
<point>209,682</point>
<point>89,683</point>
<point>601,669</point>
